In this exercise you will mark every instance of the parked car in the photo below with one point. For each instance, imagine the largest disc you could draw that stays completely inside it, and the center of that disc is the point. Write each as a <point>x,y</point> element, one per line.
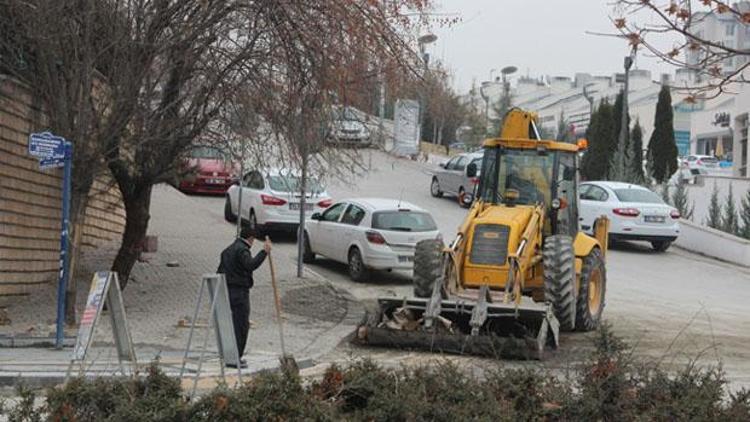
<point>452,178</point>
<point>701,164</point>
<point>369,234</point>
<point>271,199</point>
<point>349,129</point>
<point>208,170</point>
<point>635,213</point>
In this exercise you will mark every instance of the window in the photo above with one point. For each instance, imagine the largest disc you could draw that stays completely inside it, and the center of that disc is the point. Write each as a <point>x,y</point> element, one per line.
<point>289,183</point>
<point>594,193</point>
<point>729,29</point>
<point>567,222</point>
<point>403,220</point>
<point>638,195</point>
<point>451,164</point>
<point>353,215</point>
<point>526,171</point>
<point>461,163</point>
<point>332,214</point>
<point>253,180</point>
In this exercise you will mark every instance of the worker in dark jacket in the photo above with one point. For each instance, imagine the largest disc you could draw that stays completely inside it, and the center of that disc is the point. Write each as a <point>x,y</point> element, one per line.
<point>237,265</point>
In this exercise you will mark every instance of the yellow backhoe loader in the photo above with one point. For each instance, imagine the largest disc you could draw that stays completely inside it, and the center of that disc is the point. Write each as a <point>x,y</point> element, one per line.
<point>519,270</point>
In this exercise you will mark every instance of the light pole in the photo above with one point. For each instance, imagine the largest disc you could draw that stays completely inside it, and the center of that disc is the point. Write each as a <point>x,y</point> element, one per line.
<point>506,71</point>
<point>423,41</point>
<point>589,96</point>
<point>486,98</point>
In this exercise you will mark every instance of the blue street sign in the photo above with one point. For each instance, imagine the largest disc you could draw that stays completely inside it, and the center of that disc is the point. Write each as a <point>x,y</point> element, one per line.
<point>46,145</point>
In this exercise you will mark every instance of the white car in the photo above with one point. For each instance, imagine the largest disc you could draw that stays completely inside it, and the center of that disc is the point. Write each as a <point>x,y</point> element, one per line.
<point>271,199</point>
<point>635,213</point>
<point>701,164</point>
<point>369,234</point>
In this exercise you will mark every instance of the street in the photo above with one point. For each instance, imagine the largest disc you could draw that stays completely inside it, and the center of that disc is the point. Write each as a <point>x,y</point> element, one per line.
<point>674,306</point>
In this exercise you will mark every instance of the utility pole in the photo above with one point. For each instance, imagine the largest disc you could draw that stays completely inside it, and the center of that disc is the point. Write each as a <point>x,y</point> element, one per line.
<point>619,169</point>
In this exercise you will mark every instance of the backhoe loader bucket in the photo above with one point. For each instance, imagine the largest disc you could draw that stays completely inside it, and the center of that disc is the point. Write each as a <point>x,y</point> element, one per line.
<point>460,326</point>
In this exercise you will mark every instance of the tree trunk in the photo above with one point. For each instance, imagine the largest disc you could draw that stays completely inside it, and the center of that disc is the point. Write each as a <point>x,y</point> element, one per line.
<point>78,204</point>
<point>137,206</point>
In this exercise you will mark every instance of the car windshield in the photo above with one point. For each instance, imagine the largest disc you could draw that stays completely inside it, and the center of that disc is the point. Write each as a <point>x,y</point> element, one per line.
<point>526,171</point>
<point>708,160</point>
<point>207,152</point>
<point>638,195</point>
<point>289,183</point>
<point>403,220</point>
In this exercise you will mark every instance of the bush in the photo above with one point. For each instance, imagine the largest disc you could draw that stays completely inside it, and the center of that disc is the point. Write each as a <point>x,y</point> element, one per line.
<point>608,385</point>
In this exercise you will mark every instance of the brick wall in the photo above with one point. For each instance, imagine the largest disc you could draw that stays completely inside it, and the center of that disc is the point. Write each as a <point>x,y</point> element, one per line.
<point>30,201</point>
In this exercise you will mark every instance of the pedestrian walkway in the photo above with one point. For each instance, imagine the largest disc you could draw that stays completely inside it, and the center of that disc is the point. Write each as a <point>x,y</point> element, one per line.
<point>160,299</point>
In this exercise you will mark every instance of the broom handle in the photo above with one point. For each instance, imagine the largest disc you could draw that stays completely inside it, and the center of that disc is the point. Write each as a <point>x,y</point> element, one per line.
<point>277,302</point>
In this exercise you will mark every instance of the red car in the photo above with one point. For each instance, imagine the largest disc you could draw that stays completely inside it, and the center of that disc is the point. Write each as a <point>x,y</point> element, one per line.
<point>208,171</point>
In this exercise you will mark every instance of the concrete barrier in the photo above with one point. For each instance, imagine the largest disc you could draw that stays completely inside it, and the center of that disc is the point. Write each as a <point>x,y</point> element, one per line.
<point>713,243</point>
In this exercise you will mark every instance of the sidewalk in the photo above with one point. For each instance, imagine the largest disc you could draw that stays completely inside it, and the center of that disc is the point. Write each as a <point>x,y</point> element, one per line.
<point>190,234</point>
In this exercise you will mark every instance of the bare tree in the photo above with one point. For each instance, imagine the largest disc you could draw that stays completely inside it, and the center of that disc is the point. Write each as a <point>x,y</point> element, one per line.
<point>696,51</point>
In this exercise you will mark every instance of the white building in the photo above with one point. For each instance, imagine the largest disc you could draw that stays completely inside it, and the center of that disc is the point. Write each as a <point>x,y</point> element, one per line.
<point>722,29</point>
<point>574,98</point>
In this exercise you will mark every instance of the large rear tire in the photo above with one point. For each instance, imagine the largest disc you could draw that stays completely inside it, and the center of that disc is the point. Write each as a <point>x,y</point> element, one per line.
<point>427,266</point>
<point>559,279</point>
<point>591,293</point>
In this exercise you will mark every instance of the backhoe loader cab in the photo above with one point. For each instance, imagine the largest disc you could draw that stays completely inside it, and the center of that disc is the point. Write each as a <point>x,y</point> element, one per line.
<point>519,270</point>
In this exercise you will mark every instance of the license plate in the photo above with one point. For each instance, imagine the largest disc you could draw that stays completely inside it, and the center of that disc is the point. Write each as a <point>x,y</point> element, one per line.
<point>653,218</point>
<point>295,206</point>
<point>215,181</point>
<point>405,258</point>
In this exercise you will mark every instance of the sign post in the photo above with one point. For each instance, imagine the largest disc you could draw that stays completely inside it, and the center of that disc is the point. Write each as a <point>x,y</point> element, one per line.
<point>54,152</point>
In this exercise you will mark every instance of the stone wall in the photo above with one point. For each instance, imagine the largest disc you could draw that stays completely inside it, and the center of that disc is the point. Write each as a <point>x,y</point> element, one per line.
<point>30,201</point>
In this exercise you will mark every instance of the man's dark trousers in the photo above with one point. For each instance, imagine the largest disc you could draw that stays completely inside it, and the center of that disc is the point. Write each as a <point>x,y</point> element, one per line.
<point>239,301</point>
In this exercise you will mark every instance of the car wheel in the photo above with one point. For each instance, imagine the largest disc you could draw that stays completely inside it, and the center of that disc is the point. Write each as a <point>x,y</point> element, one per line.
<point>252,222</point>
<point>435,188</point>
<point>461,193</point>
<point>661,245</point>
<point>308,255</point>
<point>228,214</point>
<point>357,270</point>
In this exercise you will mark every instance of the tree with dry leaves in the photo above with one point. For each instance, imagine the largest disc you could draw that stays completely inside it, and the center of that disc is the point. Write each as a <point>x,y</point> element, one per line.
<point>708,58</point>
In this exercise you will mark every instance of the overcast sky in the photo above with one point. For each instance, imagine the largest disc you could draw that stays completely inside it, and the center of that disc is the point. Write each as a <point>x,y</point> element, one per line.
<point>540,37</point>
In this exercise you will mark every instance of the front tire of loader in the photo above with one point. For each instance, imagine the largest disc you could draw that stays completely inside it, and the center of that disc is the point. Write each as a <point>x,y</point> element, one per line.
<point>427,266</point>
<point>559,279</point>
<point>591,294</point>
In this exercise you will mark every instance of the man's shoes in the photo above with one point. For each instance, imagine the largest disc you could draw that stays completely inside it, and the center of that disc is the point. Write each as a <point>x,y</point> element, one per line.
<point>243,364</point>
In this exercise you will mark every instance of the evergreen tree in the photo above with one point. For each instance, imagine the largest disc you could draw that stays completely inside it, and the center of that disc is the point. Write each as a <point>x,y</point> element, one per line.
<point>730,219</point>
<point>680,201</point>
<point>619,168</point>
<point>602,143</point>
<point>714,210</point>
<point>501,108</point>
<point>665,193</point>
<point>745,216</point>
<point>662,149</point>
<point>636,154</point>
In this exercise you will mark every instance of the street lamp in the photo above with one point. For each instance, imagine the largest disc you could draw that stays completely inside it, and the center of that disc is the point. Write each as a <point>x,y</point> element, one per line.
<point>486,98</point>
<point>423,41</point>
<point>589,96</point>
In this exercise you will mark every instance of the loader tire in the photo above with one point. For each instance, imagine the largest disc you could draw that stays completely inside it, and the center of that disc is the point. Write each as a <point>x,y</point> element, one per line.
<point>559,279</point>
<point>427,266</point>
<point>591,293</point>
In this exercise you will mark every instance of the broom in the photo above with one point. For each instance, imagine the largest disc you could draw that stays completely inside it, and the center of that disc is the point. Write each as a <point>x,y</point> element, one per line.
<point>288,364</point>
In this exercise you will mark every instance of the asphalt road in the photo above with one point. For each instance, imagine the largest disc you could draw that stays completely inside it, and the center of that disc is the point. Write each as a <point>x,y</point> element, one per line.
<point>673,307</point>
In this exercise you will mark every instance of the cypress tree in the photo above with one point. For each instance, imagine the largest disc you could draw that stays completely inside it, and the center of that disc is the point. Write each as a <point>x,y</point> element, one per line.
<point>730,219</point>
<point>619,168</point>
<point>636,154</point>
<point>602,142</point>
<point>714,210</point>
<point>662,149</point>
<point>680,201</point>
<point>745,216</point>
<point>562,129</point>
